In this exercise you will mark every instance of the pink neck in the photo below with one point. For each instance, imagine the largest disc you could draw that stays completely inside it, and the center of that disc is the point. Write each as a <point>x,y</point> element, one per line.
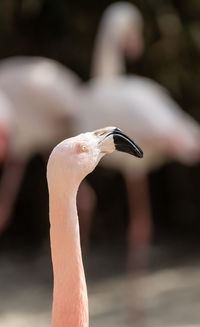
<point>70,302</point>
<point>108,59</point>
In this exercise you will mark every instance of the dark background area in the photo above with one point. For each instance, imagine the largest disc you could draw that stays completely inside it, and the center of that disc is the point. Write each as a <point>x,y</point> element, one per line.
<point>65,31</point>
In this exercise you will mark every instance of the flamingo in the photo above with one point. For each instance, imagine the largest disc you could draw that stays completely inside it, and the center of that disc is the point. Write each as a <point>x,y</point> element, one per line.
<point>143,107</point>
<point>40,93</point>
<point>69,163</point>
<point>120,31</point>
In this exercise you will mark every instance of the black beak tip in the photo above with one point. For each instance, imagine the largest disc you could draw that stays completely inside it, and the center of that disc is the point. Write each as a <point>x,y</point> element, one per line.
<point>140,153</point>
<point>124,144</point>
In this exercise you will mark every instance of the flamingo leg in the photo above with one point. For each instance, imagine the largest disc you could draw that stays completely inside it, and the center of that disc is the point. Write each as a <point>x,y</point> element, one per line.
<point>11,178</point>
<point>139,238</point>
<point>140,228</point>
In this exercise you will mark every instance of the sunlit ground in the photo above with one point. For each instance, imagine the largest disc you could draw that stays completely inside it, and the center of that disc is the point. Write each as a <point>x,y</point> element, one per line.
<point>168,295</point>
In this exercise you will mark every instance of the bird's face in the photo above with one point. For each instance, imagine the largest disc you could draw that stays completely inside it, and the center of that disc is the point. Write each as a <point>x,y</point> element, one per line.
<point>76,157</point>
<point>125,26</point>
<point>132,43</point>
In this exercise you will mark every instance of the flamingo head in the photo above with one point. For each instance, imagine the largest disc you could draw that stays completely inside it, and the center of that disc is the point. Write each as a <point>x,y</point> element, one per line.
<point>124,23</point>
<point>76,157</point>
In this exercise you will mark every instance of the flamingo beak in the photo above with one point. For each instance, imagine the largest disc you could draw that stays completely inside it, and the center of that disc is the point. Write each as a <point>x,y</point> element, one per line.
<point>123,143</point>
<point>133,46</point>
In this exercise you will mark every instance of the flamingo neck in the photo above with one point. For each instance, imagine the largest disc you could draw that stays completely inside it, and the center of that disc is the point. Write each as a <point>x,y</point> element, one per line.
<point>108,59</point>
<point>70,302</point>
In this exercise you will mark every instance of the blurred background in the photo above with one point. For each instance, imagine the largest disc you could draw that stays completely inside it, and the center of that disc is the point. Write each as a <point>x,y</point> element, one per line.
<point>166,292</point>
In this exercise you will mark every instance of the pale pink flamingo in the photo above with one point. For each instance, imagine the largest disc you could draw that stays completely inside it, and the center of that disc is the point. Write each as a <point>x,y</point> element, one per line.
<point>141,106</point>
<point>41,94</point>
<point>68,165</point>
<point>164,131</point>
<point>120,32</point>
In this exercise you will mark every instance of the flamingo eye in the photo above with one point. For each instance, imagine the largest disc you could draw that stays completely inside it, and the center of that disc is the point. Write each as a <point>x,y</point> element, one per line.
<point>82,148</point>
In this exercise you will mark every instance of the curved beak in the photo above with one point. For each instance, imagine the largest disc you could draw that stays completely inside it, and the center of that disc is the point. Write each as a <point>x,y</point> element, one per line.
<point>115,139</point>
<point>123,143</point>
<point>134,47</point>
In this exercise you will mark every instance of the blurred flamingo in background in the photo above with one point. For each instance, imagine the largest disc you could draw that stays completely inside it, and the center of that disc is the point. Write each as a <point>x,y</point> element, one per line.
<point>157,123</point>
<point>120,32</point>
<point>40,93</point>
<point>148,113</point>
<point>69,163</point>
